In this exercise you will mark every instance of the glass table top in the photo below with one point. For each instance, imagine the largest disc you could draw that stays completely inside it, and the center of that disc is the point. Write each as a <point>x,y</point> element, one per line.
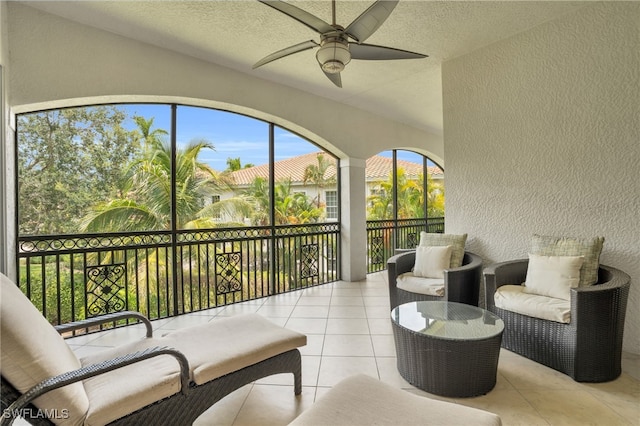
<point>447,320</point>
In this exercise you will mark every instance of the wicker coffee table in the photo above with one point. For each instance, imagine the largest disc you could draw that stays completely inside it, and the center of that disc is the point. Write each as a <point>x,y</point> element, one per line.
<point>446,348</point>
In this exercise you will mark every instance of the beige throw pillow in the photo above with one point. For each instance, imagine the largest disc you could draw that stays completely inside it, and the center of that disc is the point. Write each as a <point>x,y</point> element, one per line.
<point>590,248</point>
<point>432,261</point>
<point>456,242</point>
<point>553,276</point>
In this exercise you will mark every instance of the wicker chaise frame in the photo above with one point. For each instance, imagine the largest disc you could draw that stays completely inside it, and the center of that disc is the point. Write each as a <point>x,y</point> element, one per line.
<point>182,408</point>
<point>589,348</point>
<point>461,284</point>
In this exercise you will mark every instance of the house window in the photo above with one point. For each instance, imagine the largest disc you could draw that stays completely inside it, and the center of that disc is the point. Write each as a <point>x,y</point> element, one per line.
<point>216,199</point>
<point>331,198</point>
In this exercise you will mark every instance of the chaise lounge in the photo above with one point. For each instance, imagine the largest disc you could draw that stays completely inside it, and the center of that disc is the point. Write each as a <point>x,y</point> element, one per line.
<point>169,380</point>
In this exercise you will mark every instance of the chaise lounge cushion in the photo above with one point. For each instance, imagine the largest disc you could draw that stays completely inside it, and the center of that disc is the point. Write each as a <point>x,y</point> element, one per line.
<point>513,298</point>
<point>117,393</point>
<point>363,400</point>
<point>235,343</point>
<point>219,347</point>
<point>33,351</point>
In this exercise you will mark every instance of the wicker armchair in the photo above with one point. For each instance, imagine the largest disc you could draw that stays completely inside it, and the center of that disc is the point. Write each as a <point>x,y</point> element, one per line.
<point>170,380</point>
<point>589,347</point>
<point>460,284</point>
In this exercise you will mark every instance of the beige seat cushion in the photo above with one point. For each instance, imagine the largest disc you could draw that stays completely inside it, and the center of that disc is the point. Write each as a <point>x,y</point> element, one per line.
<point>33,351</point>
<point>513,298</point>
<point>219,347</point>
<point>117,393</point>
<point>363,400</point>
<point>429,286</point>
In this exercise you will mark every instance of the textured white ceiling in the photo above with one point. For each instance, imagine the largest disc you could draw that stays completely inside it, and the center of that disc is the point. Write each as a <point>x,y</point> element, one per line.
<point>238,33</point>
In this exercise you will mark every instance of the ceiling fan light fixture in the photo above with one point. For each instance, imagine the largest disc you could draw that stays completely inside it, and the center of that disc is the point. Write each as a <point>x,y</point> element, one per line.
<point>333,56</point>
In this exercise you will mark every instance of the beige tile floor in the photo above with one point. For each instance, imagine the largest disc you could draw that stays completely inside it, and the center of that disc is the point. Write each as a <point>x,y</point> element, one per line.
<point>349,332</point>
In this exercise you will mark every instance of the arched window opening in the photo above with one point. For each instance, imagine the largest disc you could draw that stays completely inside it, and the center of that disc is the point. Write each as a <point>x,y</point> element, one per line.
<point>405,196</point>
<point>168,209</point>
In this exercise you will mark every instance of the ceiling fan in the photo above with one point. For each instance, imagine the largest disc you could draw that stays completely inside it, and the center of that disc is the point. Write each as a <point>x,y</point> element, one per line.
<point>336,49</point>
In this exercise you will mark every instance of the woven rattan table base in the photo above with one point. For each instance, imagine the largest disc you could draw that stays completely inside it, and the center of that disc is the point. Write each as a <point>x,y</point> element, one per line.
<point>453,368</point>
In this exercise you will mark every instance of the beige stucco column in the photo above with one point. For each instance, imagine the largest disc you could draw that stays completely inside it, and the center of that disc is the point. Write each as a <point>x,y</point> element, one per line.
<point>354,219</point>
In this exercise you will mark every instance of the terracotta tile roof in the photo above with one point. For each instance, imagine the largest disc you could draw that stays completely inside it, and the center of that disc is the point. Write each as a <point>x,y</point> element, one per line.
<point>377,167</point>
<point>290,168</point>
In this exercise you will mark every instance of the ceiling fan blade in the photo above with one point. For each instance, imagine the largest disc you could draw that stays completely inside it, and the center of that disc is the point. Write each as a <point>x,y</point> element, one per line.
<point>300,15</point>
<point>372,52</point>
<point>305,45</point>
<point>370,20</point>
<point>335,78</point>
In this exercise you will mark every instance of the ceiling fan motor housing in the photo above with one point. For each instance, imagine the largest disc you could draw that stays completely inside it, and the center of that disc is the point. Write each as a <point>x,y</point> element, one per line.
<point>334,53</point>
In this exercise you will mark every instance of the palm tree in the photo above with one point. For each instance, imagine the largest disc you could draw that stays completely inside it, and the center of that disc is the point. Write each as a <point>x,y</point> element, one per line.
<point>234,164</point>
<point>289,208</point>
<point>380,203</point>
<point>435,198</point>
<point>409,196</point>
<point>316,174</point>
<point>145,203</point>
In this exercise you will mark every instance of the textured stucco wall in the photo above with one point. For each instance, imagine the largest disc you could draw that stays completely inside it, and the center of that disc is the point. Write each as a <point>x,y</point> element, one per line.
<point>542,136</point>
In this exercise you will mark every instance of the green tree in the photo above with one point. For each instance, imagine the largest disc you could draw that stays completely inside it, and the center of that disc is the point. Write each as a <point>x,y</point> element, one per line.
<point>320,175</point>
<point>67,160</point>
<point>257,194</point>
<point>410,198</point>
<point>146,202</point>
<point>289,207</point>
<point>234,164</point>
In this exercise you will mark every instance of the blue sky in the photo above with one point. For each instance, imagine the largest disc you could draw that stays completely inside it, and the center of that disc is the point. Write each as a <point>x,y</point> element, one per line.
<point>233,135</point>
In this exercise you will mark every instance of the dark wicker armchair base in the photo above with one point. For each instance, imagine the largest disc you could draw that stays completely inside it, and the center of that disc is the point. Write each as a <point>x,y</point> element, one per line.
<point>462,284</point>
<point>589,348</point>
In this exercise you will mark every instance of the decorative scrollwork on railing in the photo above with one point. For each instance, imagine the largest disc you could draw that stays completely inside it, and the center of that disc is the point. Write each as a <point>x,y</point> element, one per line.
<point>222,234</point>
<point>228,276</point>
<point>83,243</point>
<point>306,229</point>
<point>377,250</point>
<point>104,285</point>
<point>310,261</point>
<point>380,224</point>
<point>412,239</point>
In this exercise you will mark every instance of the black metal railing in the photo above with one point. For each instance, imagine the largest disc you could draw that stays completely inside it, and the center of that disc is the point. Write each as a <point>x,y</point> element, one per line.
<point>162,274</point>
<point>384,236</point>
